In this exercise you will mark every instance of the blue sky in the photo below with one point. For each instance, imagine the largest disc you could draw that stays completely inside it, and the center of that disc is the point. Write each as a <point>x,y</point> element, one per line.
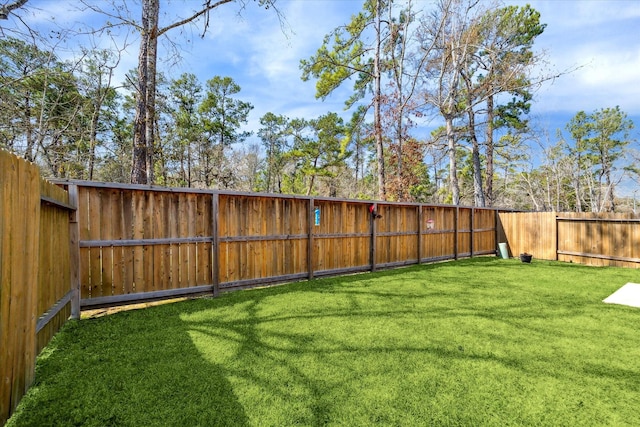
<point>600,39</point>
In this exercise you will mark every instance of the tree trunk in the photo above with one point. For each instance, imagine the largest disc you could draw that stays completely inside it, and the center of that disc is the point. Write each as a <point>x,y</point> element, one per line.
<point>577,187</point>
<point>478,193</point>
<point>608,201</point>
<point>150,112</point>
<point>143,128</point>
<point>382,193</point>
<point>489,147</point>
<point>139,171</point>
<point>612,200</point>
<point>6,9</point>
<point>599,194</point>
<point>270,166</point>
<point>93,139</point>
<point>189,158</point>
<point>28,153</point>
<point>453,167</point>
<point>398,72</point>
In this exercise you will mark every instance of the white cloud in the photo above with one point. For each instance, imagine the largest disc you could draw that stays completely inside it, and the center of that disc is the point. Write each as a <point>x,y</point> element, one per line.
<point>263,55</point>
<point>598,40</point>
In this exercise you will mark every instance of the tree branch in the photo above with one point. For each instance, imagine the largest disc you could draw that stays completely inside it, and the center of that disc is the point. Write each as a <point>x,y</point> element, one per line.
<point>207,7</point>
<point>7,8</point>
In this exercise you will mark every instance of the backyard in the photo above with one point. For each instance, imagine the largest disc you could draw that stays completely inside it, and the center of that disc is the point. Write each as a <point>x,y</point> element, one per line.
<point>476,342</point>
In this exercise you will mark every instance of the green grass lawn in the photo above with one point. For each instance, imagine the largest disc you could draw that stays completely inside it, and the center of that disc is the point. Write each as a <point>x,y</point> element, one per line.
<point>470,343</point>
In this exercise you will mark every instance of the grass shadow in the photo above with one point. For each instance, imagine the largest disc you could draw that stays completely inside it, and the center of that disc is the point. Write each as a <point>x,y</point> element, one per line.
<point>453,343</point>
<point>130,369</point>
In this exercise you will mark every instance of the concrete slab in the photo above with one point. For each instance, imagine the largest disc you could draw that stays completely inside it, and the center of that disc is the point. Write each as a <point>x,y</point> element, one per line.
<point>629,295</point>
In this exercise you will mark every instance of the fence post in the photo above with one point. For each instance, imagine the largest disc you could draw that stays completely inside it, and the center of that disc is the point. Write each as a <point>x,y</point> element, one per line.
<point>74,252</point>
<point>311,224</point>
<point>456,221</point>
<point>420,218</point>
<point>558,235</point>
<point>473,210</point>
<point>496,215</point>
<point>215,242</point>
<point>372,253</point>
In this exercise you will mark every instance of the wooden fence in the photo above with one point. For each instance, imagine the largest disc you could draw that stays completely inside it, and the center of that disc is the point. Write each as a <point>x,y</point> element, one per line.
<point>35,281</point>
<point>97,245</point>
<point>599,239</point>
<point>602,239</point>
<point>139,243</point>
<point>530,232</point>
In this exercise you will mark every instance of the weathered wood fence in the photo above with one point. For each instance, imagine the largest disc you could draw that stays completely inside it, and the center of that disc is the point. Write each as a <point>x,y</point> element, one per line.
<point>35,272</point>
<point>599,239</point>
<point>139,243</point>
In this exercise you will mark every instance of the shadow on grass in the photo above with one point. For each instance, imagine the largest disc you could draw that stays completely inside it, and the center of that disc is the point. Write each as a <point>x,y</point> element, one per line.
<point>129,369</point>
<point>311,353</point>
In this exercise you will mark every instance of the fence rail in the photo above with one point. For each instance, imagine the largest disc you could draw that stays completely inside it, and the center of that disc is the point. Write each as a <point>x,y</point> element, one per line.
<point>140,243</point>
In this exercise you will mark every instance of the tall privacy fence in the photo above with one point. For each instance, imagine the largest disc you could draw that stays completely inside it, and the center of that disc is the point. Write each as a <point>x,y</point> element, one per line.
<point>138,243</point>
<point>599,239</point>
<point>35,272</point>
<point>82,245</point>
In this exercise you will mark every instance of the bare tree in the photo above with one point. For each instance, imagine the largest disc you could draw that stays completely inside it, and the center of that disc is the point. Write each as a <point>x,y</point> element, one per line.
<point>150,31</point>
<point>450,30</point>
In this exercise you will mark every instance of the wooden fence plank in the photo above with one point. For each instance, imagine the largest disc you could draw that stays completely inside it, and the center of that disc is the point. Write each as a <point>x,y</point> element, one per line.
<point>53,261</point>
<point>84,254</point>
<point>74,255</point>
<point>117,252</point>
<point>7,194</point>
<point>192,209</point>
<point>311,213</point>
<point>215,238</point>
<point>139,212</point>
<point>156,252</point>
<point>106,232</point>
<point>95,254</point>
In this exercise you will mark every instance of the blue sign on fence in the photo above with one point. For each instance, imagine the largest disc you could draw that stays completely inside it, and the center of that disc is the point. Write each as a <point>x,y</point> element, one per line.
<point>317,216</point>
